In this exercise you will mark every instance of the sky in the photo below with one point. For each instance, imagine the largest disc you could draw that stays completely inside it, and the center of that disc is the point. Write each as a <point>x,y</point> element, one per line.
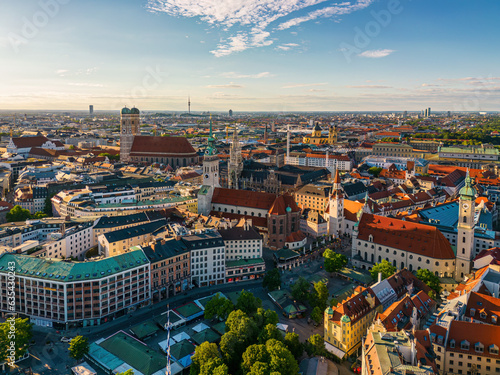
<point>250,55</point>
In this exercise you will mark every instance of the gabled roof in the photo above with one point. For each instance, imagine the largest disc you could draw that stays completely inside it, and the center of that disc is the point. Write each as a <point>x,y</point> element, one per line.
<point>473,333</point>
<point>243,198</point>
<point>25,142</point>
<point>161,145</point>
<point>399,234</point>
<point>283,204</point>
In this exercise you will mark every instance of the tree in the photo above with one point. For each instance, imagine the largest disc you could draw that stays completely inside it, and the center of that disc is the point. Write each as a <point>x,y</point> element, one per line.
<point>110,156</point>
<point>248,303</point>
<point>232,347</point>
<point>17,214</point>
<point>253,354</point>
<point>218,307</point>
<point>78,347</point>
<point>430,279</point>
<point>334,262</point>
<point>293,344</point>
<point>282,360</point>
<point>386,268</point>
<point>23,334</point>
<point>39,215</point>
<point>47,210</point>
<point>203,354</point>
<point>214,367</point>
<point>333,302</point>
<point>317,315</point>
<point>375,171</point>
<point>319,295</point>
<point>315,345</point>
<point>272,280</point>
<point>300,290</point>
<point>239,323</point>
<point>269,332</point>
<point>128,372</point>
<point>265,317</point>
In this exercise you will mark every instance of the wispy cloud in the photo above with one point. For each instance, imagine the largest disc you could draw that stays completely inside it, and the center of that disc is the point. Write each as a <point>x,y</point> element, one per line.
<point>230,85</point>
<point>62,72</point>
<point>237,75</point>
<point>369,87</point>
<point>86,84</point>
<point>376,53</point>
<point>287,46</point>
<point>247,23</point>
<point>292,86</point>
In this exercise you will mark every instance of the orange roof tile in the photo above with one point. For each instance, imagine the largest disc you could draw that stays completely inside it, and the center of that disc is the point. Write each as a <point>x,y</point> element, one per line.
<point>412,237</point>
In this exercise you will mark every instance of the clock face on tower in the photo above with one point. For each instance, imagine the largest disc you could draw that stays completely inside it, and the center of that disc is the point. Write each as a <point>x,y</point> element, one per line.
<point>465,206</point>
<point>206,176</point>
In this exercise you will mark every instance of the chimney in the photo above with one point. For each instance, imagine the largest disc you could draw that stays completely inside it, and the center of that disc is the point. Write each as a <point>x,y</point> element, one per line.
<point>379,276</point>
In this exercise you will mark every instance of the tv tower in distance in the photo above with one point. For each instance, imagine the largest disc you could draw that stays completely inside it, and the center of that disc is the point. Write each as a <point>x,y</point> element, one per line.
<point>189,104</point>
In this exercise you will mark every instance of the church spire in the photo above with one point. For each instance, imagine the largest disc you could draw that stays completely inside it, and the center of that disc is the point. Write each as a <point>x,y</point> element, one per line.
<point>211,150</point>
<point>468,192</point>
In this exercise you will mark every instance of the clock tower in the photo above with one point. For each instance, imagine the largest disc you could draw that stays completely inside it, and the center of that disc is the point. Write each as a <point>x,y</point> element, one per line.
<point>210,175</point>
<point>465,229</point>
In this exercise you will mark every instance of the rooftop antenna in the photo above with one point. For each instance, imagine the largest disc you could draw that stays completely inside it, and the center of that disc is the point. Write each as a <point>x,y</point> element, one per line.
<point>189,104</point>
<point>169,327</point>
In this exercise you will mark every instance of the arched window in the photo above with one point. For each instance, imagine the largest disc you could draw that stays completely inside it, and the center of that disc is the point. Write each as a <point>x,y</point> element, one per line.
<point>464,219</point>
<point>370,238</point>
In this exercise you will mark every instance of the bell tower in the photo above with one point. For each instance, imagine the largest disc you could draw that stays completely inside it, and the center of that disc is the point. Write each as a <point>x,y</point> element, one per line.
<point>210,175</point>
<point>465,229</point>
<point>129,127</point>
<point>235,162</point>
<point>336,208</point>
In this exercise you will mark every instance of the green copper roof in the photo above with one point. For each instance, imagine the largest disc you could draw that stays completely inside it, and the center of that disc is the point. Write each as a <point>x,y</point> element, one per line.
<point>329,311</point>
<point>69,271</point>
<point>468,191</point>
<point>126,111</point>
<point>345,319</point>
<point>135,111</point>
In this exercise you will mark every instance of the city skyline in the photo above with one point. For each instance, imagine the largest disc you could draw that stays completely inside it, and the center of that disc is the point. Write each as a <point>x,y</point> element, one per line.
<point>279,56</point>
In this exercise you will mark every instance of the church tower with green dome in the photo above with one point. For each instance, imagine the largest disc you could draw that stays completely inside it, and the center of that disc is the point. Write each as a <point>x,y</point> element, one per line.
<point>465,229</point>
<point>210,175</point>
<point>129,127</point>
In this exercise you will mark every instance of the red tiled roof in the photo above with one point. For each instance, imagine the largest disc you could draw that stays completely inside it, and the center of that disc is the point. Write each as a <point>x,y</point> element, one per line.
<point>295,237</point>
<point>25,142</point>
<point>281,203</point>
<point>168,146</point>
<point>351,209</point>
<point>490,304</point>
<point>243,198</point>
<point>399,234</point>
<point>486,334</point>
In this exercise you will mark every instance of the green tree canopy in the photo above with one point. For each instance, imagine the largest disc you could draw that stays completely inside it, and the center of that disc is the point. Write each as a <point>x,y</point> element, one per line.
<point>386,268</point>
<point>300,290</point>
<point>78,347</point>
<point>253,354</point>
<point>334,262</point>
<point>203,354</point>
<point>248,303</point>
<point>317,315</point>
<point>430,279</point>
<point>128,372</point>
<point>23,333</point>
<point>292,342</point>
<point>17,213</point>
<point>272,280</point>
<point>218,307</point>
<point>270,331</point>
<point>315,345</point>
<point>214,366</point>
<point>319,295</point>
<point>265,317</point>
<point>375,171</point>
<point>282,360</point>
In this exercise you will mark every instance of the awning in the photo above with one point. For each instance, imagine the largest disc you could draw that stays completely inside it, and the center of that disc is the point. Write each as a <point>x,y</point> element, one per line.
<point>83,369</point>
<point>282,327</point>
<point>335,351</point>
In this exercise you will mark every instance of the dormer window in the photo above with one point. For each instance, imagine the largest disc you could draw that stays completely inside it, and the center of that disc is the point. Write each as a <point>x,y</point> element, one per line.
<point>370,238</point>
<point>472,312</point>
<point>494,319</point>
<point>452,343</point>
<point>493,349</point>
<point>479,347</point>
<point>464,345</point>
<point>483,315</point>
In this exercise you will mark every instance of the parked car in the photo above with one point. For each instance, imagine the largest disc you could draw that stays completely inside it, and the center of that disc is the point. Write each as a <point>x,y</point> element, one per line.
<point>66,339</point>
